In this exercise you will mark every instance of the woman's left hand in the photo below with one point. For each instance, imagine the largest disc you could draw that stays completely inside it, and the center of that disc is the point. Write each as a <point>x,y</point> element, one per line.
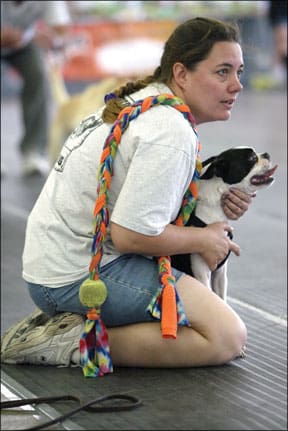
<point>235,203</point>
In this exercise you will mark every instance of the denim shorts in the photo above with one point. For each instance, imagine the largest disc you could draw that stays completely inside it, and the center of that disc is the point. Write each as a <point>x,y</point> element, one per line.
<point>131,282</point>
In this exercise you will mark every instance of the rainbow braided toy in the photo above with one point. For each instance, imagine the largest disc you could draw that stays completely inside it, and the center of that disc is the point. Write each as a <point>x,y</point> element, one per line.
<point>165,306</point>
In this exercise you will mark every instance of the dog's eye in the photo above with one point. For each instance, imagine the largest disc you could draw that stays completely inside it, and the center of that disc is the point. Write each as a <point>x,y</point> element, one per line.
<point>252,158</point>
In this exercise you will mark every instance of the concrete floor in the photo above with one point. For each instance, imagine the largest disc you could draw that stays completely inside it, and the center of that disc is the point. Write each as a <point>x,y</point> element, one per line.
<point>246,394</point>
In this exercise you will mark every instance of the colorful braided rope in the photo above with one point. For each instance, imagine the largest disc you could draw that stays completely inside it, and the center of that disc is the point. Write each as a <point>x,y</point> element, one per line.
<point>166,306</point>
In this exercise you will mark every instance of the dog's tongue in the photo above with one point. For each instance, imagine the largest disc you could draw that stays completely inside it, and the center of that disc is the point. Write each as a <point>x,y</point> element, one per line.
<point>265,178</point>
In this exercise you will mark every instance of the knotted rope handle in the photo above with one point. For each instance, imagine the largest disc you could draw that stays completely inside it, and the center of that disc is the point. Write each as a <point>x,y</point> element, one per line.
<point>93,291</point>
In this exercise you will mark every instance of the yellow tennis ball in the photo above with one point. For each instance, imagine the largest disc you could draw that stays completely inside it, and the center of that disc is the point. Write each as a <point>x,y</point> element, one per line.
<point>92,293</point>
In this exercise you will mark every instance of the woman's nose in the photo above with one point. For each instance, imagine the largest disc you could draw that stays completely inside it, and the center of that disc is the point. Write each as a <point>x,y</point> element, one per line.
<point>235,85</point>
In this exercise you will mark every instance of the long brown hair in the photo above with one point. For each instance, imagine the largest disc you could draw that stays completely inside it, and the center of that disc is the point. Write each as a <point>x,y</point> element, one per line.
<point>189,44</point>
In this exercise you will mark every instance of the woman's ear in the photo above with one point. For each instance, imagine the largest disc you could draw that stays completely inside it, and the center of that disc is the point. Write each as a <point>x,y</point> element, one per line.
<point>180,74</point>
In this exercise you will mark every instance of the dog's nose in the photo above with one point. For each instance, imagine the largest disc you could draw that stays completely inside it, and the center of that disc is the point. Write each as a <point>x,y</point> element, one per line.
<point>265,156</point>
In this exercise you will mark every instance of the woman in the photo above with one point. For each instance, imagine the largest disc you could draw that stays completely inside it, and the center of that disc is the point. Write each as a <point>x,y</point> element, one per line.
<point>153,166</point>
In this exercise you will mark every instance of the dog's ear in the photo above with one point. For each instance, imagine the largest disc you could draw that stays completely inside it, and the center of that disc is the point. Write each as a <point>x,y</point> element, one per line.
<point>222,167</point>
<point>209,171</point>
<point>217,167</point>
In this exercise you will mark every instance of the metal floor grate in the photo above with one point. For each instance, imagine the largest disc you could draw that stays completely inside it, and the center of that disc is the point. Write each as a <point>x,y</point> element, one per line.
<point>248,394</point>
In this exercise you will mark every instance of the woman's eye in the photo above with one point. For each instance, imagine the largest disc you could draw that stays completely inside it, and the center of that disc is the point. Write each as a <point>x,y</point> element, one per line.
<point>223,72</point>
<point>240,72</point>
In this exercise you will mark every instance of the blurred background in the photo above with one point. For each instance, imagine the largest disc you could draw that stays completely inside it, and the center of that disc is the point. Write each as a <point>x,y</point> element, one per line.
<point>125,38</point>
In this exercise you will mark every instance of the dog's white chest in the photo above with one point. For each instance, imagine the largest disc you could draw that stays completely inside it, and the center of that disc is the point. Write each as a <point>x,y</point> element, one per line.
<point>209,207</point>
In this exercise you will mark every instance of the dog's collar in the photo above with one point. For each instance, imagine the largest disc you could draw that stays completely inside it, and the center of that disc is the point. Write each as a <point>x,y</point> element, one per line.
<point>197,222</point>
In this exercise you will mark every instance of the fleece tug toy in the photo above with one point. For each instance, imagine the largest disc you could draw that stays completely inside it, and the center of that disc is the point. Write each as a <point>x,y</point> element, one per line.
<point>165,306</point>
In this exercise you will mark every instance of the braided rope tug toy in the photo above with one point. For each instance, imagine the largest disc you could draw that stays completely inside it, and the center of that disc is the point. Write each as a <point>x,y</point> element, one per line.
<point>165,305</point>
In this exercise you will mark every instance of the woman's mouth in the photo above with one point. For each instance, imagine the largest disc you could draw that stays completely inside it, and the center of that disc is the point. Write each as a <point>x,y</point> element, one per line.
<point>228,103</point>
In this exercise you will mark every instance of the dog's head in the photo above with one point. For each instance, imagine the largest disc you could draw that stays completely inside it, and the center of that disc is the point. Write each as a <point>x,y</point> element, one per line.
<point>241,167</point>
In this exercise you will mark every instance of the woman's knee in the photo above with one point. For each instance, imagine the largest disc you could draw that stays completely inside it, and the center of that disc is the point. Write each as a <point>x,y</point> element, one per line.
<point>230,342</point>
<point>214,319</point>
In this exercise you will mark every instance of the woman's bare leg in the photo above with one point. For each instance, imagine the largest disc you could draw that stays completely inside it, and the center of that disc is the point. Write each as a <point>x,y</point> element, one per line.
<point>217,334</point>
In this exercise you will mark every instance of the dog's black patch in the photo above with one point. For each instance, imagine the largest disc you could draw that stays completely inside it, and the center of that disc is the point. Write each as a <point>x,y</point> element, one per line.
<point>231,165</point>
<point>182,261</point>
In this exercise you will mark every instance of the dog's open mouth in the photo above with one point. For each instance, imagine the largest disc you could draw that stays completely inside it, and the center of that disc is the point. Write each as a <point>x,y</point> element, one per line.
<point>266,178</point>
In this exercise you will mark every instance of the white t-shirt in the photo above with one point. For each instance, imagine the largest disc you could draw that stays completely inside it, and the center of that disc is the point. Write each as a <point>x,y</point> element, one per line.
<point>152,169</point>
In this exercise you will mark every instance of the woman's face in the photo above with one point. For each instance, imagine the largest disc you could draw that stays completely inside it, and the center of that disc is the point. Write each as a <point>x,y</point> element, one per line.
<point>212,88</point>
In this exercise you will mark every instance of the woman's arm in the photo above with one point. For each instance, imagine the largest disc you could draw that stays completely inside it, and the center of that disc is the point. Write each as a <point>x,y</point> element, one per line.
<point>211,242</point>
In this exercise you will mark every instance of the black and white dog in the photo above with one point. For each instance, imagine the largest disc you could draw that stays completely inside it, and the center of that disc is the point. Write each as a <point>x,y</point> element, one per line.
<point>246,170</point>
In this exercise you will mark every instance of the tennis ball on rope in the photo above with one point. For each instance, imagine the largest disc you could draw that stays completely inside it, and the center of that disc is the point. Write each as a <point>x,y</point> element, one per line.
<point>93,293</point>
